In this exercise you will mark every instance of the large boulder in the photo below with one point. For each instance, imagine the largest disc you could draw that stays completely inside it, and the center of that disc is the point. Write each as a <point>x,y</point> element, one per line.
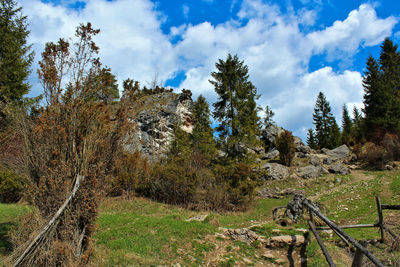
<point>270,155</point>
<point>339,153</point>
<point>310,171</point>
<point>276,171</point>
<point>339,168</point>
<point>270,134</point>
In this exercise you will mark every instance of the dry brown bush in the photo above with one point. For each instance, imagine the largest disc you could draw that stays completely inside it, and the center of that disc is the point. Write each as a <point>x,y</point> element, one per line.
<point>70,143</point>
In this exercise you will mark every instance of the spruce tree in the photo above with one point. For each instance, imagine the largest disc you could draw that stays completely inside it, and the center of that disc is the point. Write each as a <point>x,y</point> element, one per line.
<point>327,132</point>
<point>15,54</point>
<point>381,91</point>
<point>268,121</point>
<point>358,125</point>
<point>203,140</point>
<point>376,99</point>
<point>181,145</point>
<point>311,140</point>
<point>347,126</point>
<point>236,108</point>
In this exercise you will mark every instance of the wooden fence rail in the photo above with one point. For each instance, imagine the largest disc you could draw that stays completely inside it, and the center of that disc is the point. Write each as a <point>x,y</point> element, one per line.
<point>361,246</point>
<point>312,208</point>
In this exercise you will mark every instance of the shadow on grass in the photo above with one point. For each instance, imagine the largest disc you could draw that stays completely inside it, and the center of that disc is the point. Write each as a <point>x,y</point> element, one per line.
<point>5,242</point>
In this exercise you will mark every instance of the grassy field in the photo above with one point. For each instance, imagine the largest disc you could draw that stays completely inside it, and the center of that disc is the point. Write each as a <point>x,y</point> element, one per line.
<point>140,232</point>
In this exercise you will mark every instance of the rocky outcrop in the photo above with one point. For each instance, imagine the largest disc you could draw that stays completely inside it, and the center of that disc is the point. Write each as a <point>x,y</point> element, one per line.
<point>152,122</point>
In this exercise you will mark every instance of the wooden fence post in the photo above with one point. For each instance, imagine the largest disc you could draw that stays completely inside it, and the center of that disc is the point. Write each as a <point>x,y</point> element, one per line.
<point>380,215</point>
<point>358,257</point>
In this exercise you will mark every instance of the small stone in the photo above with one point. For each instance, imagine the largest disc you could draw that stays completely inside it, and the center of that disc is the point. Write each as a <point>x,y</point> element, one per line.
<point>284,240</point>
<point>326,233</point>
<point>200,218</point>
<point>302,230</point>
<point>247,261</point>
<point>280,261</point>
<point>268,255</point>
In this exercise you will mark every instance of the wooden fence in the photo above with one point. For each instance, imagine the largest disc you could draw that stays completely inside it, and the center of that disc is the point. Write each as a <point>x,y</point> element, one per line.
<point>360,246</point>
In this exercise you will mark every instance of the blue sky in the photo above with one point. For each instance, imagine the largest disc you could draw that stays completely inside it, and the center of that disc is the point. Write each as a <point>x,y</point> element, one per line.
<point>293,48</point>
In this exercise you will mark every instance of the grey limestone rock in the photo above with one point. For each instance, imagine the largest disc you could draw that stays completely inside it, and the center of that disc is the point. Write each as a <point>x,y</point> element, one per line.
<point>310,171</point>
<point>152,123</point>
<point>276,171</point>
<point>338,168</point>
<point>340,153</point>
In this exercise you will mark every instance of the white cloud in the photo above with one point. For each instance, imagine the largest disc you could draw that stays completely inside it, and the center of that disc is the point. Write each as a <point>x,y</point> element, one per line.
<point>269,42</point>
<point>361,28</point>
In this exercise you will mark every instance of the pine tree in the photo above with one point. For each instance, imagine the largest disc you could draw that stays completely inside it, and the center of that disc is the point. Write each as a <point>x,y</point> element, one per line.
<point>347,126</point>
<point>15,54</point>
<point>327,132</point>
<point>311,140</point>
<point>203,140</point>
<point>236,108</point>
<point>268,117</point>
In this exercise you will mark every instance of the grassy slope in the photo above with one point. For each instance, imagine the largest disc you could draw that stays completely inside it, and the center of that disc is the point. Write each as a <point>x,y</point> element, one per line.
<point>142,232</point>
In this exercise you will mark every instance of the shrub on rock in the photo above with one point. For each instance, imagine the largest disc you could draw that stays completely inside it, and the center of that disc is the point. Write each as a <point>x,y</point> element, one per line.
<point>286,147</point>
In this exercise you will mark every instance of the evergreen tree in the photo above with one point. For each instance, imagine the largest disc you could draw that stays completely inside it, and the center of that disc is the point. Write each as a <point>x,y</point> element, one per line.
<point>311,140</point>
<point>181,145</point>
<point>376,105</point>
<point>347,126</point>
<point>236,108</point>
<point>15,54</point>
<point>268,117</point>
<point>108,86</point>
<point>203,140</point>
<point>381,91</point>
<point>286,147</point>
<point>358,126</point>
<point>327,132</point>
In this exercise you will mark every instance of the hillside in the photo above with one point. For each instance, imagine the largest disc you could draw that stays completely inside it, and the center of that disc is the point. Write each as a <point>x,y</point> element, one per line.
<point>141,232</point>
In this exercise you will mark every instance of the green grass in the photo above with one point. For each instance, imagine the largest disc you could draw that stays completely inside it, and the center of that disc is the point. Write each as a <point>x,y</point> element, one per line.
<point>9,214</point>
<point>145,232</point>
<point>395,185</point>
<point>141,232</point>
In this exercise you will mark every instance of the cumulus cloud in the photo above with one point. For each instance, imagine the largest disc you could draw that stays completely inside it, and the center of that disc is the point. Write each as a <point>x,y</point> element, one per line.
<point>361,28</point>
<point>270,43</point>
